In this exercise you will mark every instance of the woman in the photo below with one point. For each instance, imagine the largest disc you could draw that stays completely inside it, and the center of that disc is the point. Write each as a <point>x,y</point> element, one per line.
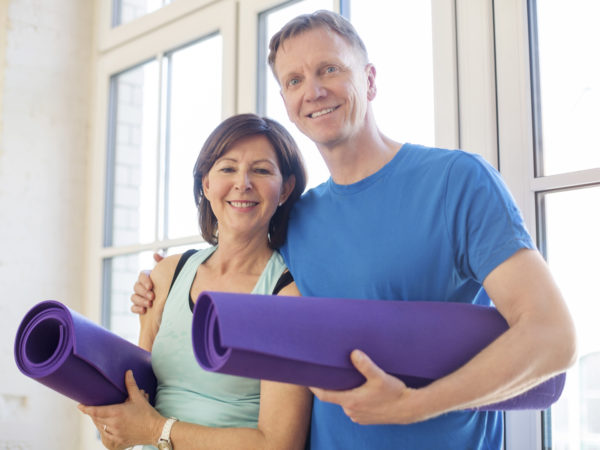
<point>246,179</point>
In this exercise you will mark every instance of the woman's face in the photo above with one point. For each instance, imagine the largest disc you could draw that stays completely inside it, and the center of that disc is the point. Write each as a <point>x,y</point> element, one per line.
<point>245,187</point>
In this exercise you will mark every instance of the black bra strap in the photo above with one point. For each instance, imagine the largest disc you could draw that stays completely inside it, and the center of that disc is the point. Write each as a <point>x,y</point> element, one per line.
<point>180,265</point>
<point>285,279</point>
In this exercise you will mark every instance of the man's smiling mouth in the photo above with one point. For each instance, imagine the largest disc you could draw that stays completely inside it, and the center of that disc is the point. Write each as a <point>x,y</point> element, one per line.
<point>322,112</point>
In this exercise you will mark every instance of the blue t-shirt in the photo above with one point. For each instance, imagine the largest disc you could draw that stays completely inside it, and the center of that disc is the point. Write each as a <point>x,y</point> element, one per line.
<point>429,226</point>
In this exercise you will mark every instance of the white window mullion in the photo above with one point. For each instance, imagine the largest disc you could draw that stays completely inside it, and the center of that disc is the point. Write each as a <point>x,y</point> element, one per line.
<point>476,78</point>
<point>515,126</point>
<point>445,73</point>
<point>160,148</point>
<point>523,429</point>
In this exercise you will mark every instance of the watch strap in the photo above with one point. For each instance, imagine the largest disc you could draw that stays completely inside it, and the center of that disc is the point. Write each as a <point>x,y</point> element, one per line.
<point>166,431</point>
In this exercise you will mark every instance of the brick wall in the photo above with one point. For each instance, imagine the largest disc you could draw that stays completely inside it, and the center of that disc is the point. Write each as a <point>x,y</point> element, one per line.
<point>45,89</point>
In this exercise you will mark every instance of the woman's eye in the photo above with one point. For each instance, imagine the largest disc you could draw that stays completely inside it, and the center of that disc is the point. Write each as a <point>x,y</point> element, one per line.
<point>262,171</point>
<point>227,169</point>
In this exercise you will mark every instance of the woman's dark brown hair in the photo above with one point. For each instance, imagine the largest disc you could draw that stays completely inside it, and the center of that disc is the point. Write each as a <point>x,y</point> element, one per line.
<point>224,137</point>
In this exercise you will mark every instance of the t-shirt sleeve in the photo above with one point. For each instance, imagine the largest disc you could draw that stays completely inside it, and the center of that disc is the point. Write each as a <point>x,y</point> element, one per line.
<point>483,221</point>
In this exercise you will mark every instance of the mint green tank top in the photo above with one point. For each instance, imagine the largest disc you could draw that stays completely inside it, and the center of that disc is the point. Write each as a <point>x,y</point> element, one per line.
<point>185,390</point>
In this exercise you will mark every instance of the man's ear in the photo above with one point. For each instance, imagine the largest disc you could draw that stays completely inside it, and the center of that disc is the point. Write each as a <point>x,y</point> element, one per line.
<point>287,188</point>
<point>371,86</point>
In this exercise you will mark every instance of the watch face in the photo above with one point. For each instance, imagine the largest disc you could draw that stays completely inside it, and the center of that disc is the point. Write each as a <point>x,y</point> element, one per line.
<point>164,445</point>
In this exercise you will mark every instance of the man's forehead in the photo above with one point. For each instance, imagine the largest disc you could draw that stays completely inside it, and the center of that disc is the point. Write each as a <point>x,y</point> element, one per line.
<point>325,36</point>
<point>328,47</point>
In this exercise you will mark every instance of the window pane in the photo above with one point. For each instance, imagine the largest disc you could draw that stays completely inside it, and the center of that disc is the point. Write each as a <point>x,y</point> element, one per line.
<point>127,10</point>
<point>404,103</point>
<point>569,85</point>
<point>120,273</point>
<point>272,22</point>
<point>183,248</point>
<point>131,169</point>
<point>403,106</point>
<point>572,221</point>
<point>195,110</point>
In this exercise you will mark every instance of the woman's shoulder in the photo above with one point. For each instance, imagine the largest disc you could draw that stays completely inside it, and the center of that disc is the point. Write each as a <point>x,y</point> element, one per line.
<point>163,271</point>
<point>290,290</point>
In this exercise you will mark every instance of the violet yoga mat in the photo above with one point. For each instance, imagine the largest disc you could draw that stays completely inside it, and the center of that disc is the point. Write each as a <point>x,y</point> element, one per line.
<point>307,340</point>
<point>63,350</point>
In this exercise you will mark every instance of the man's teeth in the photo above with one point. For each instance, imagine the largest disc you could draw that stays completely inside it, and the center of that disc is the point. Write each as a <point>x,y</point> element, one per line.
<point>320,113</point>
<point>242,204</point>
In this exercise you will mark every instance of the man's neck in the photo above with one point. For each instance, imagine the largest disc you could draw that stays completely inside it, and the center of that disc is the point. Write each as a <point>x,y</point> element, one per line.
<point>355,160</point>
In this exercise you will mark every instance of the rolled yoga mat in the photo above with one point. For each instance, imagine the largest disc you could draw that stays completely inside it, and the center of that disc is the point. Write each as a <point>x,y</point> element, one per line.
<point>63,350</point>
<point>308,340</point>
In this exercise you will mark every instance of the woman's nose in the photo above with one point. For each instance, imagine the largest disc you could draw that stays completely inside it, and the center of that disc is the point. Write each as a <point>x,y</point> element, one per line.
<point>242,181</point>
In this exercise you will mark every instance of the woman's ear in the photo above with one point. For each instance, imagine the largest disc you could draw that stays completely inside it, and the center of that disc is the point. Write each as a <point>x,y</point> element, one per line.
<point>287,189</point>
<point>205,187</point>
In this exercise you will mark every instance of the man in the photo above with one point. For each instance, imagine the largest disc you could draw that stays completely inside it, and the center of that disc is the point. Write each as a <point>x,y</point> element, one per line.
<point>405,222</point>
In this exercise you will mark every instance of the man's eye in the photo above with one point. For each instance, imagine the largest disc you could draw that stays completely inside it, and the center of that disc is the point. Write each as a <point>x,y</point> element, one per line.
<point>293,82</point>
<point>331,69</point>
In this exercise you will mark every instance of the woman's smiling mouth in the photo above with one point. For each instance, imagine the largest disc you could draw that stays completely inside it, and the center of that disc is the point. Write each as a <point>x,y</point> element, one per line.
<point>240,204</point>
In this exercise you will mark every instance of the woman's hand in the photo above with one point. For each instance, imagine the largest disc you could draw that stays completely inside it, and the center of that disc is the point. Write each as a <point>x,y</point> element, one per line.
<point>129,423</point>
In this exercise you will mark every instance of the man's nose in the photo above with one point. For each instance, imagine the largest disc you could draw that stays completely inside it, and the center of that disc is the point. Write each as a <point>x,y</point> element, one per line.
<point>314,89</point>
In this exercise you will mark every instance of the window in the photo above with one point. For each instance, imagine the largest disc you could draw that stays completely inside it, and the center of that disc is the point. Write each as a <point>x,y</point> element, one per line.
<point>568,86</point>
<point>567,107</point>
<point>466,80</point>
<point>270,104</point>
<point>572,246</point>
<point>404,105</point>
<point>161,113</point>
<point>165,92</point>
<point>548,90</point>
<point>125,11</point>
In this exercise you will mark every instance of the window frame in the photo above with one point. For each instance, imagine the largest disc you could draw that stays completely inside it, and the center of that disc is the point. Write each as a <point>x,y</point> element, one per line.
<point>482,94</point>
<point>249,54</point>
<point>110,37</point>
<point>164,36</point>
<point>517,147</point>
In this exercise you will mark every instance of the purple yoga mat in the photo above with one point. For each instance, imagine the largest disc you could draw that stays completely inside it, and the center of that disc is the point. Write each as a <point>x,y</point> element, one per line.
<point>74,356</point>
<point>308,340</point>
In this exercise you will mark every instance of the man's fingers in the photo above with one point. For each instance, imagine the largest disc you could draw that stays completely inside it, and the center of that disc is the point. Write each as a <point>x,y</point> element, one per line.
<point>143,283</point>
<point>137,309</point>
<point>365,365</point>
<point>326,395</point>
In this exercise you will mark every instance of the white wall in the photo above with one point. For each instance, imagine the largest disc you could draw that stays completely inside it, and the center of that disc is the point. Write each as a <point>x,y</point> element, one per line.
<point>45,84</point>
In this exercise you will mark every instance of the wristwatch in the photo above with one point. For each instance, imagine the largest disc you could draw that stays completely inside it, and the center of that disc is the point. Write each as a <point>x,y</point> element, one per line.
<point>164,441</point>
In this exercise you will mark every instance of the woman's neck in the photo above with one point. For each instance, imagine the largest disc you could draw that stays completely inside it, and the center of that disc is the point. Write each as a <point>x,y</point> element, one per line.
<point>240,255</point>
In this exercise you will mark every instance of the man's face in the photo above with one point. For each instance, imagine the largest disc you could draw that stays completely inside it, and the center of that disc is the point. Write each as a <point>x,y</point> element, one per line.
<point>325,84</point>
